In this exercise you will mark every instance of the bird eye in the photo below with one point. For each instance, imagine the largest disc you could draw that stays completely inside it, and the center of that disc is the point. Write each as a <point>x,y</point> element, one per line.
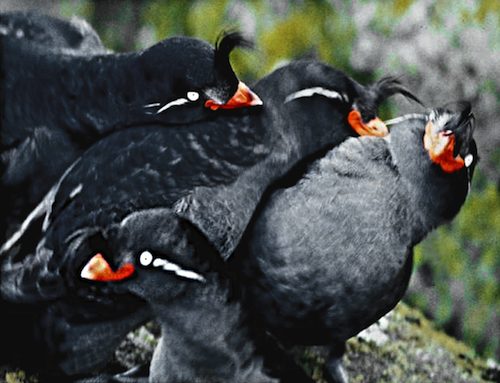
<point>193,96</point>
<point>146,258</point>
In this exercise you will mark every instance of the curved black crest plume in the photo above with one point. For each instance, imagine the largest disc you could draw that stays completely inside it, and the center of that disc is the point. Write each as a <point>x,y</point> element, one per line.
<point>388,86</point>
<point>225,43</point>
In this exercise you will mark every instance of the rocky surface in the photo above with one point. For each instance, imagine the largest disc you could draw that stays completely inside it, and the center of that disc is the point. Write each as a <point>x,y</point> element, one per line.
<point>405,347</point>
<point>402,347</point>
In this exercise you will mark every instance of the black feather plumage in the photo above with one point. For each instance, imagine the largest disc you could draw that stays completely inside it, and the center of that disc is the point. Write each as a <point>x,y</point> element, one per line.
<point>229,40</point>
<point>148,187</point>
<point>225,43</point>
<point>327,257</point>
<point>372,96</point>
<point>157,189</point>
<point>389,86</point>
<point>62,91</point>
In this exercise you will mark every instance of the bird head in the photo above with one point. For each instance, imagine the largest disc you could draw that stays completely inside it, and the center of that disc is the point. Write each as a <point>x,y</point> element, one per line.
<point>228,92</point>
<point>306,102</point>
<point>189,78</point>
<point>320,100</point>
<point>436,154</point>
<point>363,115</point>
<point>144,247</point>
<point>448,137</point>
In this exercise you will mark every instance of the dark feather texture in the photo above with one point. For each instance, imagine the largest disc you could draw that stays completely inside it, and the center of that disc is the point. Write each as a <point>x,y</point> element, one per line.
<point>327,257</point>
<point>62,91</point>
<point>226,42</point>
<point>185,194</point>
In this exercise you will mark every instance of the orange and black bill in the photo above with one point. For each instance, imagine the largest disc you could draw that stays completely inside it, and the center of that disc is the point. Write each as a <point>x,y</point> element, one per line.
<point>440,146</point>
<point>375,127</point>
<point>244,97</point>
<point>98,269</point>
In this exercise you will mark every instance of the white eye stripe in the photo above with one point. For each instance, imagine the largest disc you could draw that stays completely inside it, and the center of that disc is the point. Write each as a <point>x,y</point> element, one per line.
<point>190,275</point>
<point>154,104</point>
<point>309,92</point>
<point>158,262</point>
<point>193,96</point>
<point>179,101</point>
<point>147,259</point>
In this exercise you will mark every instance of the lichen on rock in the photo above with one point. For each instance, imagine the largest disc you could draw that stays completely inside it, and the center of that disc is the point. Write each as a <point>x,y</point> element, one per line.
<point>403,346</point>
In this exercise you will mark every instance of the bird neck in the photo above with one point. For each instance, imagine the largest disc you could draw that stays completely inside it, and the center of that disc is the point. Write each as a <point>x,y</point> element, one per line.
<point>436,196</point>
<point>312,127</point>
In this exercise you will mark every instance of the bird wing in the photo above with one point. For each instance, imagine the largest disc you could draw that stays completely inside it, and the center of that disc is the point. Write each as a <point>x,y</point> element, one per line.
<point>75,35</point>
<point>130,170</point>
<point>28,141</point>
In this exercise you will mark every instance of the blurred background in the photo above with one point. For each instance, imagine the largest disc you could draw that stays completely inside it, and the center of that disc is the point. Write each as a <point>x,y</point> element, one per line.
<point>444,51</point>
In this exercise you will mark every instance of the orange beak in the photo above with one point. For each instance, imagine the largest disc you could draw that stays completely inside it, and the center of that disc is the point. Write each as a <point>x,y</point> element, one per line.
<point>374,127</point>
<point>243,97</point>
<point>440,146</point>
<point>98,269</point>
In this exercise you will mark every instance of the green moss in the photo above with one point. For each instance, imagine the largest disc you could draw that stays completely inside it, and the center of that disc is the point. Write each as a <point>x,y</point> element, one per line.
<point>290,37</point>
<point>19,376</point>
<point>340,32</point>
<point>167,18</point>
<point>401,7</point>
<point>82,8</point>
<point>486,8</point>
<point>417,352</point>
<point>312,361</point>
<point>214,12</point>
<point>387,15</point>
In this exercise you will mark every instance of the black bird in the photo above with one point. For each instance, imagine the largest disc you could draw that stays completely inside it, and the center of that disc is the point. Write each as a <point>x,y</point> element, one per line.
<point>327,257</point>
<point>57,101</point>
<point>73,36</point>
<point>176,200</point>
